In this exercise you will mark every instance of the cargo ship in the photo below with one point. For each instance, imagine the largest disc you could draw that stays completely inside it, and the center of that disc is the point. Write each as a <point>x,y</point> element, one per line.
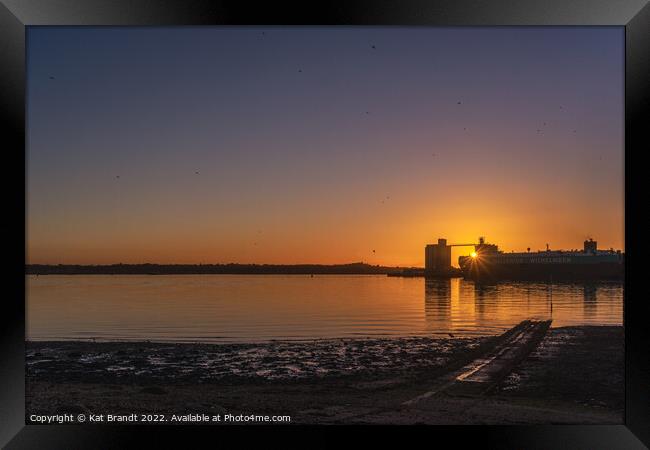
<point>487,262</point>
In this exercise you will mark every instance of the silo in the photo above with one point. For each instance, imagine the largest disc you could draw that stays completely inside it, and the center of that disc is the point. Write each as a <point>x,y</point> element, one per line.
<point>437,257</point>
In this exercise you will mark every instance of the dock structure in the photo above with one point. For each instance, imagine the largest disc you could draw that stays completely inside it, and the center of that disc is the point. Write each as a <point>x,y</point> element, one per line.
<point>483,373</point>
<point>437,258</point>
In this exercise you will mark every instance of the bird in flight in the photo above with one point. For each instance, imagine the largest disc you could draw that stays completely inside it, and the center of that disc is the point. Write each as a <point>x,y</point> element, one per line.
<point>458,103</point>
<point>373,47</point>
<point>197,172</point>
<point>51,78</point>
<point>450,335</point>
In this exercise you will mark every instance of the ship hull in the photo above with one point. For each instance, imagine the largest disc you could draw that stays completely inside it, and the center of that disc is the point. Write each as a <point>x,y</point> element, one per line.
<point>543,272</point>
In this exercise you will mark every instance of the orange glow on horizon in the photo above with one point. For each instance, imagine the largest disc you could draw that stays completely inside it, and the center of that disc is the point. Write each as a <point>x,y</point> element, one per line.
<point>199,146</point>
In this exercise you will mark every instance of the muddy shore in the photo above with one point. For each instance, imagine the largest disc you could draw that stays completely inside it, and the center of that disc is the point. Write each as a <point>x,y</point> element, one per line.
<point>575,375</point>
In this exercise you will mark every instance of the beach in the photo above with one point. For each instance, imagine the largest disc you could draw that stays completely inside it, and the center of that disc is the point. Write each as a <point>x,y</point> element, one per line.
<point>574,375</point>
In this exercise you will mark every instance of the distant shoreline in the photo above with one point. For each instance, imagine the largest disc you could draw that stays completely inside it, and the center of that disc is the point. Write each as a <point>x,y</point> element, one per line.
<point>199,269</point>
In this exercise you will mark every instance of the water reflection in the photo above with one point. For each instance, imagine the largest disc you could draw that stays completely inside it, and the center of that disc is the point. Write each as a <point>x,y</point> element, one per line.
<point>437,303</point>
<point>487,306</point>
<point>485,291</point>
<point>590,291</point>
<point>484,295</point>
<point>259,308</point>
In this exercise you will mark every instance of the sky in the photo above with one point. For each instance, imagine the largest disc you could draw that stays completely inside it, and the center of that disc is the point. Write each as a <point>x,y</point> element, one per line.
<point>320,144</point>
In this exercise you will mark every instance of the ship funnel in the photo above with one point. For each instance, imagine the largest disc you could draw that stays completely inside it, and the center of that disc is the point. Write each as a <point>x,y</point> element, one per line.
<point>590,246</point>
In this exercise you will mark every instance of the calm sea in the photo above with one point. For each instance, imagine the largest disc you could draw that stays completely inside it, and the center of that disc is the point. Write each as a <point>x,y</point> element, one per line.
<point>248,308</point>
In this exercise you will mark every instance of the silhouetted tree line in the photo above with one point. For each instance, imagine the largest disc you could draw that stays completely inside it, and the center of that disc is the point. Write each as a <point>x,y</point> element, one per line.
<point>172,269</point>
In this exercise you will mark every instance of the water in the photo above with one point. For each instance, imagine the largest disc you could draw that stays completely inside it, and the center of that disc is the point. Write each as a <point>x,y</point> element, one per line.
<point>254,308</point>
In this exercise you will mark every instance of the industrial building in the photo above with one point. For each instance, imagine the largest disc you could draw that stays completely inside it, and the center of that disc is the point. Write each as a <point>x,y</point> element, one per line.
<point>437,257</point>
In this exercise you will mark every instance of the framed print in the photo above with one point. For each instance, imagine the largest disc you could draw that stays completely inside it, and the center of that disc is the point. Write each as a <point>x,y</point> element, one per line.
<point>412,218</point>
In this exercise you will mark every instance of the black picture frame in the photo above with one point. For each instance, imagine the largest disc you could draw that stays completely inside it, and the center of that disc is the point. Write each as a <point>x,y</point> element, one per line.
<point>16,15</point>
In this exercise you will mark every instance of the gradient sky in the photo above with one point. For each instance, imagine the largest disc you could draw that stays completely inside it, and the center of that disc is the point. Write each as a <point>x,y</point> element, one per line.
<point>314,147</point>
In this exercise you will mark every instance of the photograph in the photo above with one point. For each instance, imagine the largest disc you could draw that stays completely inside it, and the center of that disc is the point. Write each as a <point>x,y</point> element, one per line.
<point>380,225</point>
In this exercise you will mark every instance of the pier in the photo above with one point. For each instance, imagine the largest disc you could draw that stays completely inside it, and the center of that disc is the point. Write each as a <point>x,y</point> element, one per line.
<point>437,262</point>
<point>437,259</point>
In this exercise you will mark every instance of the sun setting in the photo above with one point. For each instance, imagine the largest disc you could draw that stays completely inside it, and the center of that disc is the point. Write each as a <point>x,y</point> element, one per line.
<point>267,164</point>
